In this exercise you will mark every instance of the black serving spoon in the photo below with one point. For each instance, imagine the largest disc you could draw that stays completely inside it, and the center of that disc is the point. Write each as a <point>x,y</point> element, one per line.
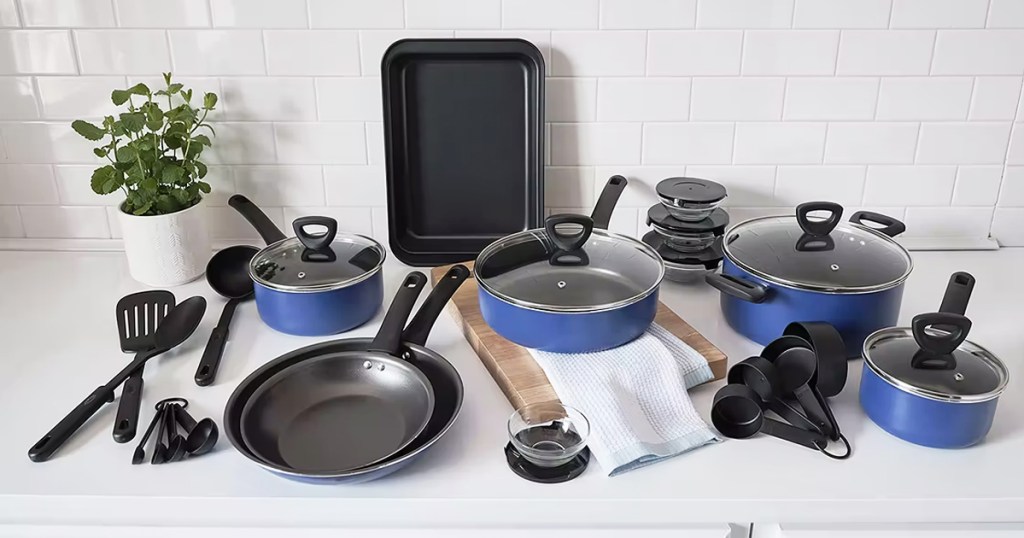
<point>228,274</point>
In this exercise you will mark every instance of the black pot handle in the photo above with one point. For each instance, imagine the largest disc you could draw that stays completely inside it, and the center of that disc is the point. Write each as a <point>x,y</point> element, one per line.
<point>389,336</point>
<point>317,241</point>
<point>257,218</point>
<point>818,227</point>
<point>737,287</point>
<point>958,293</point>
<point>602,214</point>
<point>890,226</point>
<point>568,242</point>
<point>419,328</point>
<point>954,329</point>
<point>815,243</point>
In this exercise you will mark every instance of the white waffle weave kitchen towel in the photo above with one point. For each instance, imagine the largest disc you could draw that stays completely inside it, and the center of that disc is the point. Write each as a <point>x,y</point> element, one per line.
<point>635,398</point>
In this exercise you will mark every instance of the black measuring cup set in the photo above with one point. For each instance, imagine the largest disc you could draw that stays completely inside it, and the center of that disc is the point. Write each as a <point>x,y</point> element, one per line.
<point>793,377</point>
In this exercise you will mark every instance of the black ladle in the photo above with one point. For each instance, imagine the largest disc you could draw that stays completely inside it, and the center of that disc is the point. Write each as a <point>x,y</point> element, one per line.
<point>200,437</point>
<point>797,365</point>
<point>762,377</point>
<point>176,327</point>
<point>737,413</point>
<point>228,274</point>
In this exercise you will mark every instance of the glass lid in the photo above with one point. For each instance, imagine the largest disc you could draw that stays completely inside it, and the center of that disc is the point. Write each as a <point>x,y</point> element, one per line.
<point>816,254</point>
<point>932,359</point>
<point>569,266</point>
<point>313,262</point>
<point>690,190</point>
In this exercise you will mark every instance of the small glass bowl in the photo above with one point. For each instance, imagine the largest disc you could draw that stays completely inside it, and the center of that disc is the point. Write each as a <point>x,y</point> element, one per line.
<point>683,241</point>
<point>548,434</point>
<point>689,211</point>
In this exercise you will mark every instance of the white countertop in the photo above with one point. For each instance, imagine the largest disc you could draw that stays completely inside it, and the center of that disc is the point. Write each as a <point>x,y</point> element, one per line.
<point>60,341</point>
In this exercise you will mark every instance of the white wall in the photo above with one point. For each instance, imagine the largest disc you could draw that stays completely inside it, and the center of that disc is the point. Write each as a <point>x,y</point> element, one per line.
<point>909,106</point>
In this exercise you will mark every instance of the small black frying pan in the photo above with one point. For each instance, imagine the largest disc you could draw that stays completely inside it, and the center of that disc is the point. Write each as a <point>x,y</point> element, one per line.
<point>343,410</point>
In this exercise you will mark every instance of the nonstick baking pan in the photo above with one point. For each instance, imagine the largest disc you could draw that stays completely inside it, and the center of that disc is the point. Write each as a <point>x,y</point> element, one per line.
<point>463,131</point>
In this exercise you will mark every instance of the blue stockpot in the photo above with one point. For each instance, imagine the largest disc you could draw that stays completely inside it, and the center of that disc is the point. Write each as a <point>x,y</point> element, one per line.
<point>784,269</point>
<point>950,406</point>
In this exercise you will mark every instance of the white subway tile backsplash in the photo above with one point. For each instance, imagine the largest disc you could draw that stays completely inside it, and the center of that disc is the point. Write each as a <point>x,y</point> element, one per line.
<point>691,143</point>
<point>938,13</point>
<point>1006,14</point>
<point>1008,226</point>
<point>737,99</point>
<point>10,222</point>
<point>375,143</point>
<point>242,143</point>
<point>266,99</point>
<point>647,14</point>
<point>453,14</point>
<point>779,143</point>
<point>830,98</point>
<point>694,53</point>
<point>373,43</point>
<point>885,52</point>
<point>841,184</point>
<point>1015,155</point>
<point>870,143</point>
<point>79,13</point>
<point>9,16</point>
<point>47,222</point>
<point>349,99</point>
<point>18,98</point>
<point>1012,192</point>
<point>995,98</point>
<point>163,14</point>
<point>563,15</point>
<point>36,51</point>
<point>643,99</point>
<point>568,185</point>
<point>744,13</point>
<point>320,143</point>
<point>281,185</point>
<point>27,184</point>
<point>608,53</point>
<point>595,143</point>
<point>218,52</point>
<point>963,143</point>
<point>227,224</point>
<point>909,185</point>
<point>842,14</point>
<point>357,220</point>
<point>77,97</point>
<point>119,52</point>
<point>267,13</point>
<point>972,52</point>
<point>355,185</point>
<point>356,14</point>
<point>45,143</point>
<point>312,52</point>
<point>74,187</point>
<point>977,185</point>
<point>570,99</point>
<point>948,221</point>
<point>924,98</point>
<point>747,185</point>
<point>790,52</point>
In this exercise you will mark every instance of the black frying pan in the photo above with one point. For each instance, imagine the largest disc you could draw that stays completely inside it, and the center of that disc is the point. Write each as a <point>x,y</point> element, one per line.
<point>343,410</point>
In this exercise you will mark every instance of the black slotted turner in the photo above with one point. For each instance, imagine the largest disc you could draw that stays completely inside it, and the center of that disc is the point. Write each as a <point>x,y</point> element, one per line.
<point>138,316</point>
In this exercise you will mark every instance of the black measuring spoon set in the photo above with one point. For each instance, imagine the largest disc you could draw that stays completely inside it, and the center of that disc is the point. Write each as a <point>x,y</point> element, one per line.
<point>793,377</point>
<point>178,435</point>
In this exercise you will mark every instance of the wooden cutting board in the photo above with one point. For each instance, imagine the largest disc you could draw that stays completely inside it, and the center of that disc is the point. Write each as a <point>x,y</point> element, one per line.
<point>512,367</point>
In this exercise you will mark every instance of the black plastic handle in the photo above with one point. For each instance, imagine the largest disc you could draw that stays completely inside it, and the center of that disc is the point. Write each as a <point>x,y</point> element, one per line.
<point>818,227</point>
<point>56,437</point>
<point>257,218</point>
<point>206,372</point>
<point>126,420</point>
<point>954,329</point>
<point>958,293</point>
<point>184,419</point>
<point>815,410</point>
<point>793,434</point>
<point>815,243</point>
<point>890,226</point>
<point>315,241</point>
<point>602,213</point>
<point>140,450</point>
<point>389,336</point>
<point>419,328</point>
<point>568,242</point>
<point>737,287</point>
<point>793,416</point>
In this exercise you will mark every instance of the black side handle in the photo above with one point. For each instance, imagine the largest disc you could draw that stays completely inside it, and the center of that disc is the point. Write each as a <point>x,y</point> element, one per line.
<point>55,438</point>
<point>315,241</point>
<point>257,218</point>
<point>815,243</point>
<point>942,342</point>
<point>419,328</point>
<point>572,241</point>
<point>737,287</point>
<point>958,293</point>
<point>602,214</point>
<point>818,227</point>
<point>890,226</point>
<point>389,336</point>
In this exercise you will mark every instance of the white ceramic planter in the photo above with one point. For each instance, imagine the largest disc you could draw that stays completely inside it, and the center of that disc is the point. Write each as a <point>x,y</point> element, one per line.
<point>167,250</point>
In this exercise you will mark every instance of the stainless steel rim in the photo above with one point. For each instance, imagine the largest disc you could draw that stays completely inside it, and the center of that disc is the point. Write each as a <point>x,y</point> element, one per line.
<point>539,233</point>
<point>822,289</point>
<point>1004,374</point>
<point>343,238</point>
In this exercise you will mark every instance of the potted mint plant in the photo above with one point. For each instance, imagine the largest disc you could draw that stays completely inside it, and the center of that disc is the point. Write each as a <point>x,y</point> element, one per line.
<point>154,162</point>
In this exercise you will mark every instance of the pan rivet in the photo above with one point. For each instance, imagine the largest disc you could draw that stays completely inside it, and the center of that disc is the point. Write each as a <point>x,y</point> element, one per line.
<point>302,274</point>
<point>835,267</point>
<point>958,376</point>
<point>380,367</point>
<point>561,284</point>
<point>367,365</point>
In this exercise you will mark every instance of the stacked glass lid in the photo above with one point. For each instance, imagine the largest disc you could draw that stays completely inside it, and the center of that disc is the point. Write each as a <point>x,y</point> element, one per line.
<point>687,227</point>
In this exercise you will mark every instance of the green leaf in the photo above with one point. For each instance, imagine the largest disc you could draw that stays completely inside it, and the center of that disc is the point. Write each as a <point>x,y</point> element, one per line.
<point>133,121</point>
<point>172,173</point>
<point>126,154</point>
<point>202,139</point>
<point>154,117</point>
<point>204,186</point>
<point>214,133</point>
<point>149,184</point>
<point>200,169</point>
<point>167,78</point>
<point>88,130</point>
<point>142,209</point>
<point>193,150</point>
<point>139,89</point>
<point>117,128</point>
<point>120,97</point>
<point>209,101</point>
<point>166,204</point>
<point>174,141</point>
<point>187,95</point>
<point>104,180</point>
<point>100,152</point>
<point>174,88</point>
